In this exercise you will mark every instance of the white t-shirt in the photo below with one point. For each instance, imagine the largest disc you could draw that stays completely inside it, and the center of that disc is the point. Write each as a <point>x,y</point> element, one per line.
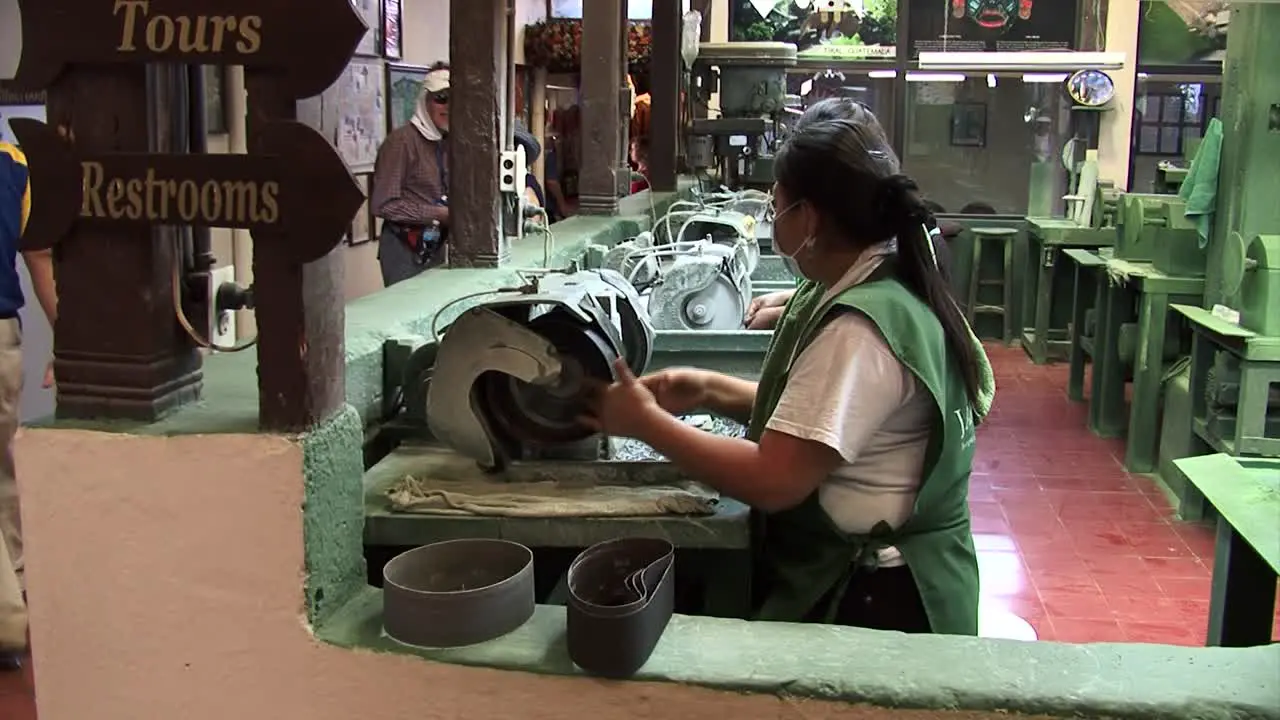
<point>848,391</point>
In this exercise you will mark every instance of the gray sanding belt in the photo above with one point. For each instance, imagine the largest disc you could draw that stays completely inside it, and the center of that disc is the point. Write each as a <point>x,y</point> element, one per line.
<point>621,596</point>
<point>458,592</point>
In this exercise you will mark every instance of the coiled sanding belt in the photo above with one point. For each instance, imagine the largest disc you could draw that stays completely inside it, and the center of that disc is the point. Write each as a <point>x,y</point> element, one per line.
<point>458,592</point>
<point>621,596</point>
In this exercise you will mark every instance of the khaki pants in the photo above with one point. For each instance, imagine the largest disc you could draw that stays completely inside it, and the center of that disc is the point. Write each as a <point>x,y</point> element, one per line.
<point>13,610</point>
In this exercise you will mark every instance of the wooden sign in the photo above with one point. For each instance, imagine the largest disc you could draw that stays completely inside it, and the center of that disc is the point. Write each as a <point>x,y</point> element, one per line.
<point>299,188</point>
<point>309,43</point>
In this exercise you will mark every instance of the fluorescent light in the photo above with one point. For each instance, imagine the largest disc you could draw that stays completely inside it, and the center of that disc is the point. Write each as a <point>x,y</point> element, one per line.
<point>1143,76</point>
<point>1033,61</point>
<point>882,74</point>
<point>935,77</point>
<point>1044,77</point>
<point>991,80</point>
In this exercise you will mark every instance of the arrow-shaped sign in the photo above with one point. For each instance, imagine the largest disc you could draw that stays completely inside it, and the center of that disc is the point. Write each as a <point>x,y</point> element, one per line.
<point>299,188</point>
<point>310,42</point>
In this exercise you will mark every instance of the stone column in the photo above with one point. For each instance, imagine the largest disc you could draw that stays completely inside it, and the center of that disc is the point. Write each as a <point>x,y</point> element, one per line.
<point>478,61</point>
<point>601,78</point>
<point>665,70</point>
<point>622,172</point>
<point>301,309</point>
<point>119,350</point>
<point>1251,139</point>
<point>538,119</point>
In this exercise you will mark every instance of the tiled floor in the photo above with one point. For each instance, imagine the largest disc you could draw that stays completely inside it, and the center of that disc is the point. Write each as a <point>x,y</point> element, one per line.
<point>1068,540</point>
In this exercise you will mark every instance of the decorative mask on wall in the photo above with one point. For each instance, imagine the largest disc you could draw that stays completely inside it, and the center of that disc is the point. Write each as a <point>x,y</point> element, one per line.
<point>992,14</point>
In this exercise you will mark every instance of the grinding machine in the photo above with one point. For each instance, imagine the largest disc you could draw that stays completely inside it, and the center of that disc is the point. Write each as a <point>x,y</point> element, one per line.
<point>506,380</point>
<point>1237,389</point>
<point>750,78</point>
<point>698,280</point>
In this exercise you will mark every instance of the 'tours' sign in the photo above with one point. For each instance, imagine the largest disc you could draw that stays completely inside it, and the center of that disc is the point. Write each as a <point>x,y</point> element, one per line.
<point>299,187</point>
<point>309,41</point>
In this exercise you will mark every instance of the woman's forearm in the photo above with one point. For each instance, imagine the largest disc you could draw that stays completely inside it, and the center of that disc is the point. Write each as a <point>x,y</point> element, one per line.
<point>730,397</point>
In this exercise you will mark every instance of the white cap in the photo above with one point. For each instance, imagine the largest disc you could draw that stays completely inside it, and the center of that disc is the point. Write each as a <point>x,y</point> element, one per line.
<point>436,81</point>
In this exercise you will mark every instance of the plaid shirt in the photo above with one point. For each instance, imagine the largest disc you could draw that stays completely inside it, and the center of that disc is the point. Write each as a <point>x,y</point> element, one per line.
<point>409,179</point>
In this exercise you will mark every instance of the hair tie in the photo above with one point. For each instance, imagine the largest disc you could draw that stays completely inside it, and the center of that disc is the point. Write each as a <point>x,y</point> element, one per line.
<point>901,201</point>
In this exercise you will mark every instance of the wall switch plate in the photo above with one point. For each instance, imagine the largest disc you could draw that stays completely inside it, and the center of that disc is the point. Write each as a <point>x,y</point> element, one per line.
<point>223,323</point>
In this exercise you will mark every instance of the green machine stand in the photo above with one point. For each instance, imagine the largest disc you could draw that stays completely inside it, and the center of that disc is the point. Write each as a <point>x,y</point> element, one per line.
<point>1156,263</point>
<point>1047,338</point>
<point>1235,368</point>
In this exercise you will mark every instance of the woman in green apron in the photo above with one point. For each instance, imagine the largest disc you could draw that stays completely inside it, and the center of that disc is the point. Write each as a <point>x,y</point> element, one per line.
<point>860,432</point>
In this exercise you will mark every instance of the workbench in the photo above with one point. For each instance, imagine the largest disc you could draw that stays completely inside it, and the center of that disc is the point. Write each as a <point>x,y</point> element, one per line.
<point>1087,282</point>
<point>719,544</point>
<point>1046,340</point>
<point>1259,359</point>
<point>1245,492</point>
<point>1134,292</point>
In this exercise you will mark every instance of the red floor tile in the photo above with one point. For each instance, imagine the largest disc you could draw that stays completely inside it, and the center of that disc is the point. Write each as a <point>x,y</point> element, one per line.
<point>1067,539</point>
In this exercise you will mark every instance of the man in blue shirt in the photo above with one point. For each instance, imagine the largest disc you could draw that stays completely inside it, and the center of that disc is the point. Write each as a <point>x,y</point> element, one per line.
<point>15,206</point>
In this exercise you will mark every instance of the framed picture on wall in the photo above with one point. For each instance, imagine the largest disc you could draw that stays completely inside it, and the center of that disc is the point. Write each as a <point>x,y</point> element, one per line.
<point>969,125</point>
<point>371,12</point>
<point>392,37</point>
<point>404,83</point>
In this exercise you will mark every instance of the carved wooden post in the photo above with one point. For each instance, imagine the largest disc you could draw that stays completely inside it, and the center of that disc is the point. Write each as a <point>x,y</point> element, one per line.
<point>99,185</point>
<point>601,79</point>
<point>118,351</point>
<point>478,60</point>
<point>665,70</point>
<point>300,308</point>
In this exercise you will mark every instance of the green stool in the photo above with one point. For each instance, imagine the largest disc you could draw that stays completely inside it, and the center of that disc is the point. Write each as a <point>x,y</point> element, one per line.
<point>1005,237</point>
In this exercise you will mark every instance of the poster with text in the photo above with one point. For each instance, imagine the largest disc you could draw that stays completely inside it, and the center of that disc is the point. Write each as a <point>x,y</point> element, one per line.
<point>860,30</point>
<point>991,25</point>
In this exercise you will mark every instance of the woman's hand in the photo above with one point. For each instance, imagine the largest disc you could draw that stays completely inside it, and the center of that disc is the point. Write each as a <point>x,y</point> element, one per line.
<point>623,408</point>
<point>758,311</point>
<point>678,390</point>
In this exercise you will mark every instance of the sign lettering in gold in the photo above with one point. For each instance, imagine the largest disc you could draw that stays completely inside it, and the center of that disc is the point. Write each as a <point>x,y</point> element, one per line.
<point>193,34</point>
<point>215,203</point>
<point>261,35</point>
<point>299,188</point>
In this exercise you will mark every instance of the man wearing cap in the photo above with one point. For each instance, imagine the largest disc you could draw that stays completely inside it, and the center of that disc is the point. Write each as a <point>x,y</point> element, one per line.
<point>411,185</point>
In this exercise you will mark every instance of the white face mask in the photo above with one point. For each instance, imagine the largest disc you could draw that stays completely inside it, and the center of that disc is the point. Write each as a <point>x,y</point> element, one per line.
<point>789,260</point>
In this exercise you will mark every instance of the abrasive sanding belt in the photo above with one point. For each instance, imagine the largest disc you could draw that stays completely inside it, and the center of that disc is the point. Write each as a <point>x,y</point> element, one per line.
<point>621,596</point>
<point>464,592</point>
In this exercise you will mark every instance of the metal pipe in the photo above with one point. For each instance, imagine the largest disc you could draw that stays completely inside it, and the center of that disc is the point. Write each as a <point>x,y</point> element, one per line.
<point>509,112</point>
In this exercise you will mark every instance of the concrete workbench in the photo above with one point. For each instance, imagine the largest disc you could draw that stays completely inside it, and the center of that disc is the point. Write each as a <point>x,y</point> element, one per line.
<point>1086,281</point>
<point>1045,339</point>
<point>1134,292</point>
<point>1245,492</point>
<point>1259,358</point>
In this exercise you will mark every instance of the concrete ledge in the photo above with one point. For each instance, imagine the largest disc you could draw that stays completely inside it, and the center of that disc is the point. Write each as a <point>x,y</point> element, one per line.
<point>892,670</point>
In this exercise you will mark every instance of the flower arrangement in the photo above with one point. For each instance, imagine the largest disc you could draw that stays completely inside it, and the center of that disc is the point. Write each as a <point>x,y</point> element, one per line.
<point>556,44</point>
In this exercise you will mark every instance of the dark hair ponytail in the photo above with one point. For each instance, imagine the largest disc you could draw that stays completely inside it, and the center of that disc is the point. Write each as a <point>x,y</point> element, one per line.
<point>920,271</point>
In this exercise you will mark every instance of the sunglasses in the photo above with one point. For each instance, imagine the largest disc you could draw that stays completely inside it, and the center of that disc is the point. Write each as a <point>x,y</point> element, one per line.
<point>440,98</point>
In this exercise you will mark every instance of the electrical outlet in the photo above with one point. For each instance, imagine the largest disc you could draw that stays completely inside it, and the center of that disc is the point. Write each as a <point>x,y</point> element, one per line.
<point>223,323</point>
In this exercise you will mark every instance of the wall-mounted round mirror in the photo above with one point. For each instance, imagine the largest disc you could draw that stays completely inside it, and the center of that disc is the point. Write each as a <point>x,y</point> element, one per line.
<point>1091,88</point>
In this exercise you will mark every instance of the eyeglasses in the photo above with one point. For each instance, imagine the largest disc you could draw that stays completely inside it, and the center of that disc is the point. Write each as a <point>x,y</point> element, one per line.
<point>440,98</point>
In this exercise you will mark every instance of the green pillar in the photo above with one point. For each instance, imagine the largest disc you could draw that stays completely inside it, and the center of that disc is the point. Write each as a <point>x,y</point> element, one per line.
<point>1248,183</point>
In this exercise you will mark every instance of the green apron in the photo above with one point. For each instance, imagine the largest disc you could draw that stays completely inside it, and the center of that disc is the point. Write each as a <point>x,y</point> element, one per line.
<point>801,555</point>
